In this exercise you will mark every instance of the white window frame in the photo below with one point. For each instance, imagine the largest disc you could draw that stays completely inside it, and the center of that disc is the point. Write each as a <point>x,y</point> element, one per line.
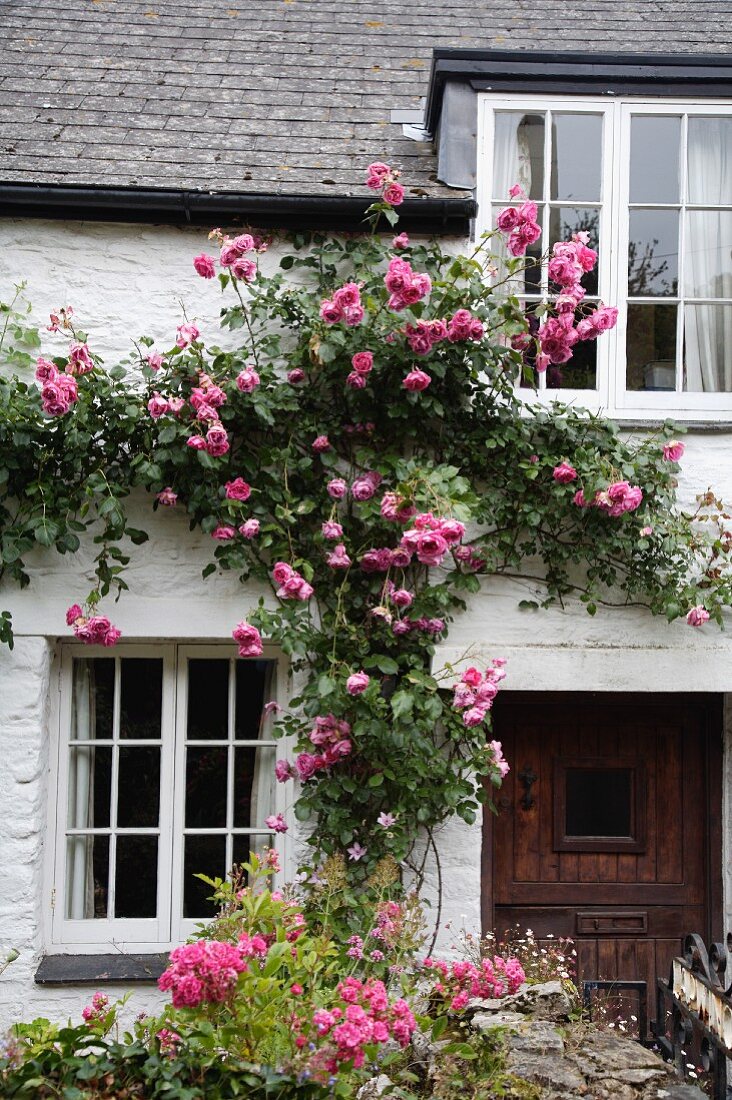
<point>169,927</point>
<point>611,395</point>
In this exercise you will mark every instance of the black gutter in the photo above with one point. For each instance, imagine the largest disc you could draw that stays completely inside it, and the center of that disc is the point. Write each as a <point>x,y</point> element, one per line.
<point>575,73</point>
<point>209,208</point>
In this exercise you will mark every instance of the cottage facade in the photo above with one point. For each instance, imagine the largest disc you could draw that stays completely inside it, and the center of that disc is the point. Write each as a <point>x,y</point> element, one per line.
<point>126,132</point>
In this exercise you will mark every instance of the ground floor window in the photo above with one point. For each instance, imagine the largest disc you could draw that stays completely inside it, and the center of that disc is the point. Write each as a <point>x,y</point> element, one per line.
<point>165,770</point>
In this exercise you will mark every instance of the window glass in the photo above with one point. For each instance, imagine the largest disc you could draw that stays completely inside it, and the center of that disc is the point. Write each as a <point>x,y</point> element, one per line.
<point>518,154</point>
<point>708,348</point>
<point>598,802</point>
<point>87,877</point>
<point>708,267</point>
<point>653,253</point>
<point>136,878</point>
<point>654,158</point>
<point>651,346</point>
<point>576,173</point>
<point>709,160</point>
<point>141,697</point>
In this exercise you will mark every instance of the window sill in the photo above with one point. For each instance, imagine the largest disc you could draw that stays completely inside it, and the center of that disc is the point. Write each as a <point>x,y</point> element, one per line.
<point>99,969</point>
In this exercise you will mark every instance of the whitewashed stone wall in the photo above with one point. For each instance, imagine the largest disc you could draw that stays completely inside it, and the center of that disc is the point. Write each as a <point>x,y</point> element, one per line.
<point>130,280</point>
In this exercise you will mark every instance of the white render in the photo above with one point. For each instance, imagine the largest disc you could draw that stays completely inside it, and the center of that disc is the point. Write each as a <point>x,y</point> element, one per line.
<point>125,281</point>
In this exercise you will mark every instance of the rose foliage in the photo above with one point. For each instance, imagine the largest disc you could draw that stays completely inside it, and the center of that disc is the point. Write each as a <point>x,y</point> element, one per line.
<point>362,453</point>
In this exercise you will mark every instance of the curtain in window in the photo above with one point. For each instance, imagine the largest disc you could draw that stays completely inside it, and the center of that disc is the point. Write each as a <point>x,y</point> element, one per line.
<point>263,779</point>
<point>80,852</point>
<point>708,272</point>
<point>511,156</point>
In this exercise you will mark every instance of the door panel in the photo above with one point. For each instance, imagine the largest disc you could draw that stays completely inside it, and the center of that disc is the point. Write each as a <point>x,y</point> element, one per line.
<point>627,899</point>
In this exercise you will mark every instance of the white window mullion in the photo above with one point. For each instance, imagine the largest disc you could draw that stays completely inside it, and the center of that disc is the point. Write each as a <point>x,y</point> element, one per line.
<point>111,890</point>
<point>231,766</point>
<point>683,197</point>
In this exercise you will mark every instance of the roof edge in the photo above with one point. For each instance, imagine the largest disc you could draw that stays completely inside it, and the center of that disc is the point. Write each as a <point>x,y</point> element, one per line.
<point>182,207</point>
<point>575,72</point>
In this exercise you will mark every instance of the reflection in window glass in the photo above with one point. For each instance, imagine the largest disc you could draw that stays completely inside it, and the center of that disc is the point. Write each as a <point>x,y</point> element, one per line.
<point>138,787</point>
<point>87,877</point>
<point>208,699</point>
<point>254,785</point>
<point>206,781</point>
<point>92,715</point>
<point>651,347</point>
<point>709,160</point>
<point>141,697</point>
<point>90,786</point>
<point>136,880</point>
<point>580,373</point>
<point>653,253</point>
<point>708,348</point>
<point>654,158</point>
<point>203,855</point>
<point>576,157</point>
<point>518,154</point>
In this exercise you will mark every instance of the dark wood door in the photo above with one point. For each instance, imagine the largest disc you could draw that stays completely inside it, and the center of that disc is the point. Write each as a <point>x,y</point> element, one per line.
<point>609,827</point>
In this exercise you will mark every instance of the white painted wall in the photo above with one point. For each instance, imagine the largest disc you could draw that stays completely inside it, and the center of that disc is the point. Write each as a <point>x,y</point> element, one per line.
<point>127,281</point>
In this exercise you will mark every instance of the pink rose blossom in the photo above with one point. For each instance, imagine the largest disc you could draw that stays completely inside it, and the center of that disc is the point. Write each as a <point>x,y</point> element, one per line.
<point>247,380</point>
<point>320,444</point>
<point>46,371</point>
<point>223,533</point>
<point>238,489</point>
<point>697,616</point>
<point>364,487</point>
<point>217,440</point>
<point>356,381</point>
<point>394,194</point>
<point>276,823</point>
<point>416,381</point>
<point>357,683</point>
<point>167,497</point>
<point>205,266</point>
<point>157,406</point>
<point>402,597</point>
<point>186,334</point>
<point>243,243</point>
<point>331,529</point>
<point>197,442</point>
<point>80,360</point>
<point>400,241</point>
<point>74,612</point>
<point>564,473</point>
<point>362,361</point>
<point>294,377</point>
<point>154,360</point>
<point>330,312</point>
<point>672,451</point>
<point>337,488</point>
<point>284,771</point>
<point>338,558</point>
<point>245,270</point>
<point>249,529</point>
<point>248,638</point>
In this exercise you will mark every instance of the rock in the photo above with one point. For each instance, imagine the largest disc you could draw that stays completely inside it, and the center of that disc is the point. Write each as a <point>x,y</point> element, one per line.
<point>548,1001</point>
<point>484,1021</point>
<point>680,1092</point>
<point>537,1037</point>
<point>550,1071</point>
<point>374,1088</point>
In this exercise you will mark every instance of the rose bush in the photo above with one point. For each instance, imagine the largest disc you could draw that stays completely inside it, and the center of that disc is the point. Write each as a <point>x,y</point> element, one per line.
<point>364,453</point>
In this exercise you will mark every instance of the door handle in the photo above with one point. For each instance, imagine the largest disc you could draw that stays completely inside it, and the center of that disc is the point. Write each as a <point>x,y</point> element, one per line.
<point>527,777</point>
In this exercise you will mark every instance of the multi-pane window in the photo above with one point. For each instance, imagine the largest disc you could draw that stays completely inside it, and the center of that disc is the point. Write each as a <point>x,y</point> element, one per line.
<point>166,769</point>
<point>651,183</point>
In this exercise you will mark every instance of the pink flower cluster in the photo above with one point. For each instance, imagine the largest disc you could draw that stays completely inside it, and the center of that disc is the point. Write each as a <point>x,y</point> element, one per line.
<point>345,305</point>
<point>233,254</point>
<point>476,691</point>
<point>362,363</point>
<point>432,537</point>
<point>406,287</point>
<point>58,389</point>
<point>332,736</point>
<point>382,177</point>
<point>292,586</point>
<point>619,497</point>
<point>96,1011</point>
<point>460,328</point>
<point>207,971</point>
<point>92,630</point>
<point>571,260</point>
<point>365,486</point>
<point>393,507</point>
<point>169,1041</point>
<point>498,758</point>
<point>520,223</point>
<point>366,1017</point>
<point>248,638</point>
<point>459,982</point>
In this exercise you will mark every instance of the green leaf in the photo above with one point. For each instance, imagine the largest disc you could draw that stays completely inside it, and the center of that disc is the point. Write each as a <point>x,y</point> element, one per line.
<point>387,665</point>
<point>402,704</point>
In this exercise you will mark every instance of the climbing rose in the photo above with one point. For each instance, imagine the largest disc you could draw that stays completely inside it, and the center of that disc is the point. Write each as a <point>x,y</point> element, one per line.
<point>394,194</point>
<point>205,266</point>
<point>292,586</point>
<point>249,639</point>
<point>74,612</point>
<point>564,473</point>
<point>217,441</point>
<point>284,771</point>
<point>697,616</point>
<point>673,450</point>
<point>338,558</point>
<point>197,442</point>
<point>320,444</point>
<point>276,823</point>
<point>167,497</point>
<point>238,489</point>
<point>154,360</point>
<point>400,241</point>
<point>96,631</point>
<point>223,533</point>
<point>357,683</point>
<point>46,371</point>
<point>249,529</point>
<point>337,488</point>
<point>244,269</point>
<point>294,377</point>
<point>200,972</point>
<point>80,360</point>
<point>362,361</point>
<point>331,530</point>
<point>247,380</point>
<point>356,380</point>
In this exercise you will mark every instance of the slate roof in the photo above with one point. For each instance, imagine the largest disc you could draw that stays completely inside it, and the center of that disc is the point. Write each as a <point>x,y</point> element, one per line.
<point>272,96</point>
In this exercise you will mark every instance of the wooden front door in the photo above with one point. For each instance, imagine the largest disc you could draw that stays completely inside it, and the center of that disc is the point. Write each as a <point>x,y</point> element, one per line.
<point>609,827</point>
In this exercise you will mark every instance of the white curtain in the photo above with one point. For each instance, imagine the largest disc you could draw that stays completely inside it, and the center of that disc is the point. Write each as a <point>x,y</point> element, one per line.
<point>80,854</point>
<point>511,155</point>
<point>263,782</point>
<point>708,268</point>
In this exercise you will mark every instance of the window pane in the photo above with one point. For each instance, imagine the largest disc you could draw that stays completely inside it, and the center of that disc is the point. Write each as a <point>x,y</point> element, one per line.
<point>518,154</point>
<point>709,153</point>
<point>598,801</point>
<point>208,700</point>
<point>708,267</point>
<point>708,349</point>
<point>138,787</point>
<point>576,157</point>
<point>253,680</point>
<point>245,844</point>
<point>653,253</point>
<point>141,697</point>
<point>90,784</point>
<point>254,786</point>
<point>651,347</point>
<point>206,772</point>
<point>87,877</point>
<point>654,158</point>
<point>580,373</point>
<point>92,709</point>
<point>203,855</point>
<point>566,220</point>
<point>136,878</point>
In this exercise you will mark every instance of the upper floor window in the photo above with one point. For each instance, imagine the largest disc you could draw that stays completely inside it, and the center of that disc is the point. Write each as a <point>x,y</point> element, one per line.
<point>165,769</point>
<point>651,182</point>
